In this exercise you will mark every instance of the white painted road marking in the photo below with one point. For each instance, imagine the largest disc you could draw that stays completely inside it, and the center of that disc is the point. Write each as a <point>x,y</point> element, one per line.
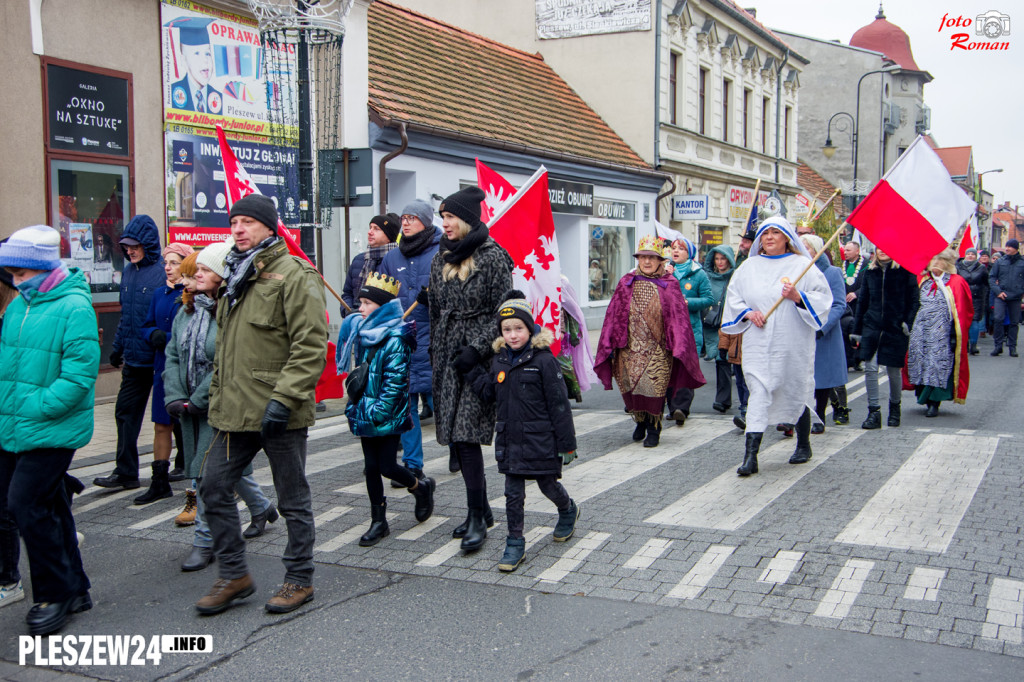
<point>847,585</point>
<point>106,499</point>
<point>698,577</point>
<point>781,567</point>
<point>349,536</point>
<point>573,557</point>
<point>648,554</point>
<point>729,501</point>
<point>329,515</point>
<point>1005,618</point>
<point>920,507</point>
<point>421,529</point>
<point>924,583</point>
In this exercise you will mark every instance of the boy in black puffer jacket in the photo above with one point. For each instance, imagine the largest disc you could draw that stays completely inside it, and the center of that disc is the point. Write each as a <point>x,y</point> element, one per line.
<point>535,434</point>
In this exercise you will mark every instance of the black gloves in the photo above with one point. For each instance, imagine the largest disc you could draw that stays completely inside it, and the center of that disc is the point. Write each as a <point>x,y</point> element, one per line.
<point>275,420</point>
<point>193,410</point>
<point>422,298</point>
<point>158,339</point>
<point>116,359</point>
<point>467,358</point>
<point>177,408</point>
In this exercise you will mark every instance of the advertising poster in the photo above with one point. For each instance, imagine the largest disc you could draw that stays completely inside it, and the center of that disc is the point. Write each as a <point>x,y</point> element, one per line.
<point>88,112</point>
<point>196,203</point>
<point>572,18</point>
<point>215,71</point>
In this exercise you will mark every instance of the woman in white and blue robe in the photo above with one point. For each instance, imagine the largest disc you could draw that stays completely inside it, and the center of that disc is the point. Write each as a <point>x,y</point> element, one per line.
<point>778,353</point>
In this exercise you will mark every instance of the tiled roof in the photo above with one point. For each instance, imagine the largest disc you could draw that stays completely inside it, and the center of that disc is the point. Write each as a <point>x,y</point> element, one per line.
<point>809,180</point>
<point>956,159</point>
<point>745,15</point>
<point>424,71</point>
<point>887,38</point>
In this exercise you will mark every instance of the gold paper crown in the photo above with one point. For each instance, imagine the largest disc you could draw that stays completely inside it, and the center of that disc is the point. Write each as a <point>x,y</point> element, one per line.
<point>383,282</point>
<point>652,246</point>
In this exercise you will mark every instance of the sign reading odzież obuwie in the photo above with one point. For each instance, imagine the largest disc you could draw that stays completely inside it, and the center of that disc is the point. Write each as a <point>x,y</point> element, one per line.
<point>88,112</point>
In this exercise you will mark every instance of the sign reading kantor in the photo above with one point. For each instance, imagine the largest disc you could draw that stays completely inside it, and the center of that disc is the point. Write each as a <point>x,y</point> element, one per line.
<point>571,18</point>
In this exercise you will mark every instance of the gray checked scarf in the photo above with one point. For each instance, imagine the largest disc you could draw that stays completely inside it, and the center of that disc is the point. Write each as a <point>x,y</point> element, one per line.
<point>193,342</point>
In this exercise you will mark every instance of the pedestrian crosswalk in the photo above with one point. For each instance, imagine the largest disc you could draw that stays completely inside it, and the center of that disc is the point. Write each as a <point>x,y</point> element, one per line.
<point>691,547</point>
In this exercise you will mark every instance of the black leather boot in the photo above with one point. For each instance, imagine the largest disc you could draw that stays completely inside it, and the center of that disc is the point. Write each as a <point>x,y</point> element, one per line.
<point>874,420</point>
<point>424,494</point>
<point>258,523</point>
<point>640,430</point>
<point>159,486</point>
<point>803,439</point>
<point>894,414</point>
<point>933,409</point>
<point>476,530</point>
<point>198,559</point>
<point>653,435</point>
<point>749,465</point>
<point>460,530</point>
<point>841,415</point>
<point>454,464</point>
<point>378,525</point>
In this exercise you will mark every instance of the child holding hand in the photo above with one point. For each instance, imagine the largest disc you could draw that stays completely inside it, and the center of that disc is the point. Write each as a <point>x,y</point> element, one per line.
<point>535,433</point>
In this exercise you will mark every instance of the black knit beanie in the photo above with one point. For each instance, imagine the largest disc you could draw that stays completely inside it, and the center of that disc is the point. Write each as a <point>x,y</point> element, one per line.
<point>389,223</point>
<point>465,204</point>
<point>257,206</point>
<point>517,307</point>
<point>380,288</point>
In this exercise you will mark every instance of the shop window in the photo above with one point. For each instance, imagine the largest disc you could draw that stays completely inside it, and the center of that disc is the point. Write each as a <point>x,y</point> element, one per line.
<point>611,257</point>
<point>88,200</point>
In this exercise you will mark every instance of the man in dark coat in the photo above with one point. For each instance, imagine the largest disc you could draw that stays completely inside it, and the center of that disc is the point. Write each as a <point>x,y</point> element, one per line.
<point>853,266</point>
<point>143,275</point>
<point>380,239</point>
<point>1006,278</point>
<point>976,275</point>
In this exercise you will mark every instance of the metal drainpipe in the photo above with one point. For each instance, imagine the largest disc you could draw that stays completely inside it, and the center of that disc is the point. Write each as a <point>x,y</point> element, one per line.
<point>669,191</point>
<point>382,166</point>
<point>778,109</point>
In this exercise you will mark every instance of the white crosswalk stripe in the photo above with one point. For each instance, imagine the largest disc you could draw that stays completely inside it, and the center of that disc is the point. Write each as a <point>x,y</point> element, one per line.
<point>573,556</point>
<point>648,554</point>
<point>349,536</point>
<point>924,583</point>
<point>448,550</point>
<point>845,588</point>
<point>781,567</point>
<point>698,577</point>
<point>1005,618</point>
<point>421,529</point>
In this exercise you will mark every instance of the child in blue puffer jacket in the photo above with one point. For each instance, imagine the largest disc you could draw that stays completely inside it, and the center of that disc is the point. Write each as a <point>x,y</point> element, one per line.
<point>379,335</point>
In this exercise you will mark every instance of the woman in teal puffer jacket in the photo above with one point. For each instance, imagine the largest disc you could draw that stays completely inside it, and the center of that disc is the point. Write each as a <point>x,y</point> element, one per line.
<point>380,336</point>
<point>49,357</point>
<point>697,290</point>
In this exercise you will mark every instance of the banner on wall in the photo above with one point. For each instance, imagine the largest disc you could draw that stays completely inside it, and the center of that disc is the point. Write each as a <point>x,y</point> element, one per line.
<point>197,208</point>
<point>214,72</point>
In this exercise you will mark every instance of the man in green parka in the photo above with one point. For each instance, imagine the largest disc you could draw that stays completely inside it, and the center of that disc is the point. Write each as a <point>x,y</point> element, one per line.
<point>49,357</point>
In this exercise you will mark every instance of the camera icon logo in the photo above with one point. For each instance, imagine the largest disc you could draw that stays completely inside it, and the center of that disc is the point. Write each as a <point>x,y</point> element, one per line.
<point>992,24</point>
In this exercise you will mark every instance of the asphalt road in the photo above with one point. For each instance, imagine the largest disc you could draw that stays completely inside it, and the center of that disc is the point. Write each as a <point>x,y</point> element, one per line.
<point>646,588</point>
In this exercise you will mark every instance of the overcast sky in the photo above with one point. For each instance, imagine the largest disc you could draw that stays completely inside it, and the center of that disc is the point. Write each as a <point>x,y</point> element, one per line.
<point>976,97</point>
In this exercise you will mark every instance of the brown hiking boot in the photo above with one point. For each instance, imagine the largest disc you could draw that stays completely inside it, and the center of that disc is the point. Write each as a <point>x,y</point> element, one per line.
<point>224,593</point>
<point>187,517</point>
<point>289,598</point>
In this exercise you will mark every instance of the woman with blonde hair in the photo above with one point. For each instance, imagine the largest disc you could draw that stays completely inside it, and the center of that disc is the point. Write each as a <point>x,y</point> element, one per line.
<point>937,359</point>
<point>469,278</point>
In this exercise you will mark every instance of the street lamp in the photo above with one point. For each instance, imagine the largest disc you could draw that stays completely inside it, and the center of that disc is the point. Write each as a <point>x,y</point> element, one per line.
<point>829,150</point>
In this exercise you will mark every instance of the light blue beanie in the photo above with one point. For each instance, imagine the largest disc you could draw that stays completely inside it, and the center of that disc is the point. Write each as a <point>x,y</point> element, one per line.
<point>34,248</point>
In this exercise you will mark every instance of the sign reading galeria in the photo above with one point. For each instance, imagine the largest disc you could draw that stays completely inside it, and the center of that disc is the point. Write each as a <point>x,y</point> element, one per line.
<point>196,205</point>
<point>571,18</point>
<point>88,112</point>
<point>214,71</point>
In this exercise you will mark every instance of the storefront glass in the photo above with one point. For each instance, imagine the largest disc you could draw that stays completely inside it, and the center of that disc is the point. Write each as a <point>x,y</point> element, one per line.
<point>611,256</point>
<point>89,200</point>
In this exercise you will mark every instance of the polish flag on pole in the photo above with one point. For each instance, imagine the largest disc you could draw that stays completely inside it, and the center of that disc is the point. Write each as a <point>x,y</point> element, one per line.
<point>970,238</point>
<point>915,210</point>
<point>524,225</point>
<point>238,184</point>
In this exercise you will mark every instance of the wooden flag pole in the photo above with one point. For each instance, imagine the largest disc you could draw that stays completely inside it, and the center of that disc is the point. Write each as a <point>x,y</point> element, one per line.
<point>824,206</point>
<point>810,265</point>
<point>411,308</point>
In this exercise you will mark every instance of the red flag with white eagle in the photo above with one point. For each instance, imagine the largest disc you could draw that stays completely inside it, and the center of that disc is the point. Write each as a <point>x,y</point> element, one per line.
<point>238,184</point>
<point>497,190</point>
<point>525,227</point>
<point>915,210</point>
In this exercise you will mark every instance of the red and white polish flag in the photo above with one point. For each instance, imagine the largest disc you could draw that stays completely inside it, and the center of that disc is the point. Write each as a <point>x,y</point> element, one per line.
<point>915,210</point>
<point>970,238</point>
<point>522,222</point>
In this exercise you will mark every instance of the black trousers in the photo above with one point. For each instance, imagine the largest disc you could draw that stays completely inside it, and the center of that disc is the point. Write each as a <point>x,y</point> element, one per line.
<point>681,399</point>
<point>515,498</point>
<point>1000,309</point>
<point>471,458</point>
<point>40,501</point>
<point>129,411</point>
<point>10,541</point>
<point>723,379</point>
<point>380,454</point>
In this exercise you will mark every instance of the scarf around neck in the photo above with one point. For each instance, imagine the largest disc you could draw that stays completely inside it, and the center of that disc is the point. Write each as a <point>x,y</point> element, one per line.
<point>371,260</point>
<point>358,332</point>
<point>43,282</point>
<point>417,243</point>
<point>240,267</point>
<point>193,342</point>
<point>454,252</point>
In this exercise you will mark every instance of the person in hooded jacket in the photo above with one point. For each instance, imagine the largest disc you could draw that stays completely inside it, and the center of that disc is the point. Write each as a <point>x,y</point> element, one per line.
<point>49,358</point>
<point>410,265</point>
<point>970,268</point>
<point>380,241</point>
<point>382,339</point>
<point>535,433</point>
<point>724,349</point>
<point>143,275</point>
<point>696,289</point>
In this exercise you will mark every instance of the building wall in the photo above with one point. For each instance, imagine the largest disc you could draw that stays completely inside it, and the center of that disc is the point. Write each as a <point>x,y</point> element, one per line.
<point>613,73</point>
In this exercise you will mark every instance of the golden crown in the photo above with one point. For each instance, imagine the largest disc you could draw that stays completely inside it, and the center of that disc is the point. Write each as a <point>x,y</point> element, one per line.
<point>383,282</point>
<point>653,245</point>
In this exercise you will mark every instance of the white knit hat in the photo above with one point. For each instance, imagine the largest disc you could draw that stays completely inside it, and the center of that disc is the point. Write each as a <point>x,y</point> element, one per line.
<point>213,256</point>
<point>34,248</point>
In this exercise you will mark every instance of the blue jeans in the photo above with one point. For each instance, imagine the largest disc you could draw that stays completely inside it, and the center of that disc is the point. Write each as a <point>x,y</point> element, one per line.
<point>250,492</point>
<point>412,440</point>
<point>229,455</point>
<point>742,392</point>
<point>975,330</point>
